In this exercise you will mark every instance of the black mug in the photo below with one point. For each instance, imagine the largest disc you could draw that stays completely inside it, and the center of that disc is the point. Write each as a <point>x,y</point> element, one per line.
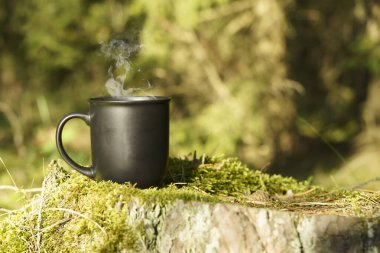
<point>129,139</point>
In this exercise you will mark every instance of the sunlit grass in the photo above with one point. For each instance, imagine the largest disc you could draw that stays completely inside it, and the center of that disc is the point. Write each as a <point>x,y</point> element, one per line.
<point>12,195</point>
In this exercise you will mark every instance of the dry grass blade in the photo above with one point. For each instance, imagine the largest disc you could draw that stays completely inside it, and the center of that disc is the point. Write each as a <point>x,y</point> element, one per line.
<point>39,217</point>
<point>200,190</point>
<point>14,188</point>
<point>8,172</point>
<point>305,193</point>
<point>78,214</point>
<point>10,211</point>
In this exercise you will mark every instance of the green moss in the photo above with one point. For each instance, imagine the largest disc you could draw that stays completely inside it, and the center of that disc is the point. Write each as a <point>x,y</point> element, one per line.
<point>229,177</point>
<point>13,237</point>
<point>76,214</point>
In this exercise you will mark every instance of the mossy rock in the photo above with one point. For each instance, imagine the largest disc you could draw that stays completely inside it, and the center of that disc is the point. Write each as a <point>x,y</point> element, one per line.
<point>217,205</point>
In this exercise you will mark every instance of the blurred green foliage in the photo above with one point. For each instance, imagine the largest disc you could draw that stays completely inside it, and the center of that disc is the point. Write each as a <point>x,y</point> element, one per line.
<point>281,84</point>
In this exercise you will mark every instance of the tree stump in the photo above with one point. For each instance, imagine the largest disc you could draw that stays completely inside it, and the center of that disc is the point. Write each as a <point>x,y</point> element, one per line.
<point>207,227</point>
<point>76,214</point>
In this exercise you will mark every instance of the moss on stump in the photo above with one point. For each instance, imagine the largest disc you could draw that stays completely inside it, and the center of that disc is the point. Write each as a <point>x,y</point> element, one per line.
<point>218,205</point>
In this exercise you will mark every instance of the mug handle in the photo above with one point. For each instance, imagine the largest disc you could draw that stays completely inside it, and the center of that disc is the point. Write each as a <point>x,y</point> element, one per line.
<point>87,171</point>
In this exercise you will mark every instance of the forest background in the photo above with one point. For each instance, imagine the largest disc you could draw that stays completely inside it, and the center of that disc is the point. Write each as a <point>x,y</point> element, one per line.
<point>288,86</point>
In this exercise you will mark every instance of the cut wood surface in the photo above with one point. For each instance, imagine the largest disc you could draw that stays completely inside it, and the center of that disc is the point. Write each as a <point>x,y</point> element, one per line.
<point>207,227</point>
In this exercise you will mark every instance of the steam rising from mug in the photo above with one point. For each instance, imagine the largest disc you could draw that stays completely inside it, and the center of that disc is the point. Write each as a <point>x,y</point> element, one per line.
<point>120,52</point>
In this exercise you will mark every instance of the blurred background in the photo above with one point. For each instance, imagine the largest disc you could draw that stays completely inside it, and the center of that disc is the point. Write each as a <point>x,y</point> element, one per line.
<point>288,86</point>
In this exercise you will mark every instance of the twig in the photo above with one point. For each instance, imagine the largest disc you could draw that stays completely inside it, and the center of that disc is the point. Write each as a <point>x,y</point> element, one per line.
<point>55,224</point>
<point>315,204</point>
<point>180,183</point>
<point>369,191</point>
<point>365,183</point>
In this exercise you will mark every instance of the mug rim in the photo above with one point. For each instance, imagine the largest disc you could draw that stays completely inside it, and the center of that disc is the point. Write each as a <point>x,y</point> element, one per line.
<point>129,99</point>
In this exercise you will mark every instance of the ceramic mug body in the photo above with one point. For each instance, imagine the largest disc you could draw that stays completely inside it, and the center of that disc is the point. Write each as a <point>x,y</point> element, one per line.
<point>129,139</point>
